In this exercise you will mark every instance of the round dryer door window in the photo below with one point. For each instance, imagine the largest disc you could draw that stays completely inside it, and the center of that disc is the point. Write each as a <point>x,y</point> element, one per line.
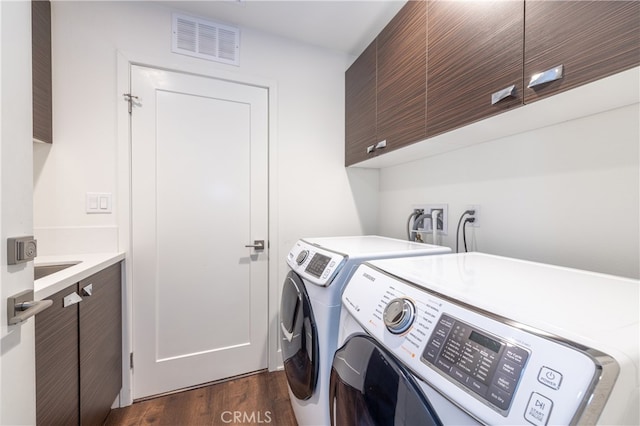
<point>299,338</point>
<point>368,386</point>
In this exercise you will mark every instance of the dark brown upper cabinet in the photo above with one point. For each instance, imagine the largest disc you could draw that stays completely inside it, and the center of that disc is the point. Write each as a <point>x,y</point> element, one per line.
<point>386,88</point>
<point>475,59</point>
<point>589,39</point>
<point>41,69</point>
<point>360,106</point>
<point>401,94</point>
<point>475,52</point>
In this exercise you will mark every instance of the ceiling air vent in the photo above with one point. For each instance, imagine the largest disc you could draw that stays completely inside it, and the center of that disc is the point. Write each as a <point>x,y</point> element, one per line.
<point>205,39</point>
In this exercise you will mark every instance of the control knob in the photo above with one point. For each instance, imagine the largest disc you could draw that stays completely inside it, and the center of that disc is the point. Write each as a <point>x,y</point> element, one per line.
<point>302,256</point>
<point>399,315</point>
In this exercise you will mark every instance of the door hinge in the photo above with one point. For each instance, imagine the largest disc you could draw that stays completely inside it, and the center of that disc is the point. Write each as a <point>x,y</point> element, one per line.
<point>131,360</point>
<point>131,99</point>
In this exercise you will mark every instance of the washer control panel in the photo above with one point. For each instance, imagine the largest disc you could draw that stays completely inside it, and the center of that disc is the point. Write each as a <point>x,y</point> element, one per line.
<point>315,264</point>
<point>487,365</point>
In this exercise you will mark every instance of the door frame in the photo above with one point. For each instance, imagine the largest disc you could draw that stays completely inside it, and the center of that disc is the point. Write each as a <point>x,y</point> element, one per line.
<point>123,198</point>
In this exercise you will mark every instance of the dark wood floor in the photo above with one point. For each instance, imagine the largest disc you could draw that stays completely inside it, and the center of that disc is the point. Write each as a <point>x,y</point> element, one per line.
<point>257,399</point>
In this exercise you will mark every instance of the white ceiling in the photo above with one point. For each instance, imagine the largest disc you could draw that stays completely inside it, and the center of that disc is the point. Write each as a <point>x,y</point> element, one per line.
<point>346,26</point>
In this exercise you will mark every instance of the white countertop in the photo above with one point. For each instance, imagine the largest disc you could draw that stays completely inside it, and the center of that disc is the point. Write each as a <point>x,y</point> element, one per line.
<point>88,265</point>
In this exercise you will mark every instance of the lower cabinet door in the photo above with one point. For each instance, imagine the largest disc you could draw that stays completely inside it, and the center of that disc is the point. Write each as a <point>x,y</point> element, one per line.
<point>100,344</point>
<point>56,330</point>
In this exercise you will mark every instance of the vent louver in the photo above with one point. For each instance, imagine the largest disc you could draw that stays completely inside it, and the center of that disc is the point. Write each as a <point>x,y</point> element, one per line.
<point>205,39</point>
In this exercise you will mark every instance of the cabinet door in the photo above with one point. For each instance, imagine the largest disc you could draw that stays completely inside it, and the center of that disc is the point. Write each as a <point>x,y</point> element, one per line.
<point>100,344</point>
<point>591,39</point>
<point>402,71</point>
<point>41,66</point>
<point>57,362</point>
<point>474,50</point>
<point>360,106</point>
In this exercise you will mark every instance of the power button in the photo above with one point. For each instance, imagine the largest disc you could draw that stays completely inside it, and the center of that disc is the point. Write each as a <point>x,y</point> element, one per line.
<point>549,377</point>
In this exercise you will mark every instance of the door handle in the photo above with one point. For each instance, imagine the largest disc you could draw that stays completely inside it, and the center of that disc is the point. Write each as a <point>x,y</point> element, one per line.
<point>21,307</point>
<point>257,244</point>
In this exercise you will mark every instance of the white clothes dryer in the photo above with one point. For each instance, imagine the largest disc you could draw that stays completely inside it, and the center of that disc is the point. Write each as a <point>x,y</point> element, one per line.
<point>480,339</point>
<point>310,311</point>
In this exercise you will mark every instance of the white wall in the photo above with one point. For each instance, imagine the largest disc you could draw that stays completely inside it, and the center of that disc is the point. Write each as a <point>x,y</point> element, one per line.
<point>17,342</point>
<point>567,194</point>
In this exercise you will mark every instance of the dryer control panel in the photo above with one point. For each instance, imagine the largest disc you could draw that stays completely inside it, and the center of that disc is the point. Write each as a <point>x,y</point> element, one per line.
<point>316,265</point>
<point>498,371</point>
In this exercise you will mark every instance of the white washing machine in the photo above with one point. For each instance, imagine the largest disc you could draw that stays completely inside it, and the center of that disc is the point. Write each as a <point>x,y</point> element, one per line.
<point>310,311</point>
<point>473,338</point>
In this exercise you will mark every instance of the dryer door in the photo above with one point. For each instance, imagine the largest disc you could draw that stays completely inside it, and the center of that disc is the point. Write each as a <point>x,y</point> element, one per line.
<point>368,386</point>
<point>299,338</point>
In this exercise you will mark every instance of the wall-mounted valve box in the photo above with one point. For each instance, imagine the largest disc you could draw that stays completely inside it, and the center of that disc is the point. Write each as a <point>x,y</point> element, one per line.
<point>425,224</point>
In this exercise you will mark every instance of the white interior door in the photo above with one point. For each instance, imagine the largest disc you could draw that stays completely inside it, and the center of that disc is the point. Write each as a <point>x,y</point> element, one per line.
<point>17,342</point>
<point>199,196</point>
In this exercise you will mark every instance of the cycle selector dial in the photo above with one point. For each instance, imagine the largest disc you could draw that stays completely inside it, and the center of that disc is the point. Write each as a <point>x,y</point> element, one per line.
<point>399,315</point>
<point>302,256</point>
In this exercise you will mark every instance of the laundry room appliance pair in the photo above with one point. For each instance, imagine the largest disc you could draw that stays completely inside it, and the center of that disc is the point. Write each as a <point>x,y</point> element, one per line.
<point>310,311</point>
<point>479,339</point>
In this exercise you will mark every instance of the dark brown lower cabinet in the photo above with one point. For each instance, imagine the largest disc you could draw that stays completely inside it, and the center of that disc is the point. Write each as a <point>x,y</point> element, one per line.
<point>100,345</point>
<point>57,365</point>
<point>79,352</point>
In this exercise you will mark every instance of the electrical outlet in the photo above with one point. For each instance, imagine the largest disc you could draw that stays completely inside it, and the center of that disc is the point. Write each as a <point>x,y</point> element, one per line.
<point>476,214</point>
<point>443,219</point>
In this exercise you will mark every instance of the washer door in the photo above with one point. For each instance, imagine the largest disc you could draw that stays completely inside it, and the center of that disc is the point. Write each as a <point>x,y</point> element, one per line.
<point>368,386</point>
<point>299,338</point>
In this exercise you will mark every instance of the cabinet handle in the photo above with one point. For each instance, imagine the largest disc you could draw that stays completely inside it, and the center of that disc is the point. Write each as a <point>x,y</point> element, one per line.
<point>21,307</point>
<point>379,145</point>
<point>87,290</point>
<point>547,76</point>
<point>71,299</point>
<point>503,94</point>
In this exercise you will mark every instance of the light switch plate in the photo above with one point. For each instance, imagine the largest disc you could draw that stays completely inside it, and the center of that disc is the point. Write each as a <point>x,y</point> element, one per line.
<point>99,202</point>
